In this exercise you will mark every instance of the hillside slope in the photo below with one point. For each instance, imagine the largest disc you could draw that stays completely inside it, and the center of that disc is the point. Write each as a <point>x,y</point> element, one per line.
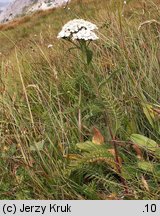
<point>22,7</point>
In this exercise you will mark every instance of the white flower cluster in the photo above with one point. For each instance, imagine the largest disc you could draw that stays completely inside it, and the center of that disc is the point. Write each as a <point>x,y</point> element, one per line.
<point>78,29</point>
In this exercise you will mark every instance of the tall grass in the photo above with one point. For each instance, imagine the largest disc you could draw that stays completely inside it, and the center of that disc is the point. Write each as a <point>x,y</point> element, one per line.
<point>49,102</point>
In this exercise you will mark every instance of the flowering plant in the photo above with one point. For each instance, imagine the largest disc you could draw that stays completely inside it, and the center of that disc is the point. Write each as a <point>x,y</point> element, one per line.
<point>81,31</point>
<point>78,29</point>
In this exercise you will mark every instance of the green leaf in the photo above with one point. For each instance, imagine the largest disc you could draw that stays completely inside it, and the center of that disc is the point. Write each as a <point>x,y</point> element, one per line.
<point>129,171</point>
<point>146,166</point>
<point>157,170</point>
<point>147,109</point>
<point>144,142</point>
<point>98,156</point>
<point>157,153</point>
<point>89,54</point>
<point>89,146</point>
<point>37,146</point>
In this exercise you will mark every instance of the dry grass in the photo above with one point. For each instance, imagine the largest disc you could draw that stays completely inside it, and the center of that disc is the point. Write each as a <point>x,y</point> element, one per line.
<point>50,101</point>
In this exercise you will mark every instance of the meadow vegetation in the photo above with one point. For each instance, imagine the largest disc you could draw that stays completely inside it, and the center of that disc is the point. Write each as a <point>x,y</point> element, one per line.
<point>72,130</point>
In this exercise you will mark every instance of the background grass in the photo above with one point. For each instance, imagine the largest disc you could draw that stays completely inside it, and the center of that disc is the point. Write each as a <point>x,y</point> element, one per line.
<point>50,101</point>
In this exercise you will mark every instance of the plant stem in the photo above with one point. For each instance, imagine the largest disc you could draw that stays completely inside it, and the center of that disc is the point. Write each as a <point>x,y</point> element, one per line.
<point>118,165</point>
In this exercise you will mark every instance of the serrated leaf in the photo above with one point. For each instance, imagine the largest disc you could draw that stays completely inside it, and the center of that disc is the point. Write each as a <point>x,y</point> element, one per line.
<point>98,156</point>
<point>144,142</point>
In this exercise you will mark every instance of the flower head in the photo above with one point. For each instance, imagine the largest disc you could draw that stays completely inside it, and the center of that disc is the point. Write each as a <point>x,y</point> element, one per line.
<point>78,29</point>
